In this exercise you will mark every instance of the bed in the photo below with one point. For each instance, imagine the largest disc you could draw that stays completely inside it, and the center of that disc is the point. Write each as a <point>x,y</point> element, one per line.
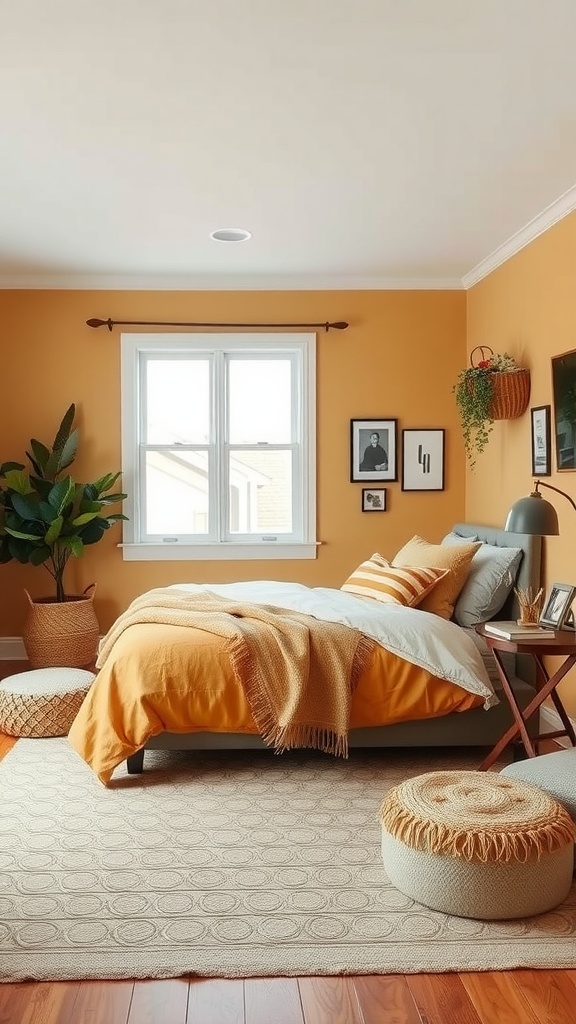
<point>444,714</point>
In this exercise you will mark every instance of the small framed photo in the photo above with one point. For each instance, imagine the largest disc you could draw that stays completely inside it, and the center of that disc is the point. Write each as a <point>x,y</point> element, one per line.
<point>373,500</point>
<point>541,447</point>
<point>423,460</point>
<point>558,605</point>
<point>373,453</point>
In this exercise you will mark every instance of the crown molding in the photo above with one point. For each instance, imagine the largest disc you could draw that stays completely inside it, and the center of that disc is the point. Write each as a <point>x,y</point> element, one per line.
<point>220,282</point>
<point>557,210</point>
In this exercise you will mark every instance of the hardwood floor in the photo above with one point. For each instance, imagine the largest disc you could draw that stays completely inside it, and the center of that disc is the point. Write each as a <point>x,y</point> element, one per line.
<point>508,997</point>
<point>514,997</point>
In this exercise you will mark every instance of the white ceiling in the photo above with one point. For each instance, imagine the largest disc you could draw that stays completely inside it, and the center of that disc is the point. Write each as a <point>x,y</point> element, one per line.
<point>364,143</point>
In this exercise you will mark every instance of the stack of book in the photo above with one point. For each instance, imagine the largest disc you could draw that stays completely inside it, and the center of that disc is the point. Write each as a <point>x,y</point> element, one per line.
<point>512,631</point>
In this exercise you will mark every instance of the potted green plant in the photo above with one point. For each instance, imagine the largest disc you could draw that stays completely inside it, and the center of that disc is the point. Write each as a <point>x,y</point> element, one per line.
<point>493,388</point>
<point>46,517</point>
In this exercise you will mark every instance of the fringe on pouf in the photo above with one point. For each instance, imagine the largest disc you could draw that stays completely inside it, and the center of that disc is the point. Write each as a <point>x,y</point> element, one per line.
<point>476,816</point>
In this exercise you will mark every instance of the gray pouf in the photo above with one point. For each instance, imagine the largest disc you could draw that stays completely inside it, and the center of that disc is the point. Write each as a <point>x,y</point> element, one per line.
<point>477,845</point>
<point>555,773</point>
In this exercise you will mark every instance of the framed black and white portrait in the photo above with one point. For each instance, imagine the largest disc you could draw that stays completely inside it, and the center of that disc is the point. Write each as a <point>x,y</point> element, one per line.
<point>541,455</point>
<point>373,454</point>
<point>423,460</point>
<point>373,499</point>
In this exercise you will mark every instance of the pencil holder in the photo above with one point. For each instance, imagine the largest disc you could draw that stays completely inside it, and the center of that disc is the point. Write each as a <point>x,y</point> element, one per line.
<point>530,605</point>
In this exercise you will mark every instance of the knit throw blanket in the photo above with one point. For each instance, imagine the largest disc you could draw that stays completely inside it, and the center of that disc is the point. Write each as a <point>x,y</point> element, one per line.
<point>298,673</point>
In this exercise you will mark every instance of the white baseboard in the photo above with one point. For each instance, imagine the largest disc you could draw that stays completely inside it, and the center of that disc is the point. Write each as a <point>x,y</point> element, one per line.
<point>549,717</point>
<point>12,648</point>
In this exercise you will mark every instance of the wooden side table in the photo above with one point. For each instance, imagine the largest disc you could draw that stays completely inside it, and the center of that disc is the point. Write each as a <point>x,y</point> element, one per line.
<point>562,643</point>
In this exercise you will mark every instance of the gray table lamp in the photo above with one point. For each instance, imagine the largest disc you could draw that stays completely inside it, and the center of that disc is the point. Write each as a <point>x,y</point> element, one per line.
<point>534,514</point>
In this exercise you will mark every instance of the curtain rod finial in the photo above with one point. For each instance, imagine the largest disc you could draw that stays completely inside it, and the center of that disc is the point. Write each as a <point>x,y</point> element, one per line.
<point>95,322</point>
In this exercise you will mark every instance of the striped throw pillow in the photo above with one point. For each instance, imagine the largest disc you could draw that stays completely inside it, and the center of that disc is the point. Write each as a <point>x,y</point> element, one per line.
<point>377,579</point>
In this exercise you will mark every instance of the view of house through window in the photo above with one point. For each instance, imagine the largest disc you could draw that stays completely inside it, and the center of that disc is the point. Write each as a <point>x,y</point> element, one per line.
<point>220,440</point>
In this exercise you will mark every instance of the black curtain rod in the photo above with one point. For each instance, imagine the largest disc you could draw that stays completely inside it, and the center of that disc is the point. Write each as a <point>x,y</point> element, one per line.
<point>340,325</point>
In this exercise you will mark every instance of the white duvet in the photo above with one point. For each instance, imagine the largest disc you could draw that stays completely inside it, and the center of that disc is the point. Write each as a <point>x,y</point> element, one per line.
<point>426,640</point>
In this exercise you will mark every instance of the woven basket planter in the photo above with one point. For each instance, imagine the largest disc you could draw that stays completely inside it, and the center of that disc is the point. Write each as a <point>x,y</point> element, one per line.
<point>511,394</point>
<point>61,633</point>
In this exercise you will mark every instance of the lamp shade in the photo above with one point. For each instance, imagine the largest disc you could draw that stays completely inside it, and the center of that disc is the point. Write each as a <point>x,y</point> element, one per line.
<point>533,515</point>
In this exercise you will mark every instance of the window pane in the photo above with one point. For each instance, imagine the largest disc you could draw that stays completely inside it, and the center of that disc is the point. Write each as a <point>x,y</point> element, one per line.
<point>176,492</point>
<point>177,401</point>
<point>260,401</point>
<point>260,492</point>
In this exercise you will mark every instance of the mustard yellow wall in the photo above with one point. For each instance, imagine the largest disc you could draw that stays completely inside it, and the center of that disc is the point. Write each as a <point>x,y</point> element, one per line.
<point>399,358</point>
<point>528,308</point>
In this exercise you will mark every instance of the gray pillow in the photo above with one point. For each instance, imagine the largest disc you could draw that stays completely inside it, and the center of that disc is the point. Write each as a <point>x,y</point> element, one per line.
<point>456,538</point>
<point>492,575</point>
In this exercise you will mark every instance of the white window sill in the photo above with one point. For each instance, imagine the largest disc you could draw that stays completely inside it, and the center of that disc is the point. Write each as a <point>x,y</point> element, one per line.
<point>213,552</point>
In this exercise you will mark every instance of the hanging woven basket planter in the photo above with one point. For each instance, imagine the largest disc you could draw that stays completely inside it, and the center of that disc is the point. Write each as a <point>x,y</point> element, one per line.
<point>511,394</point>
<point>492,388</point>
<point>510,388</point>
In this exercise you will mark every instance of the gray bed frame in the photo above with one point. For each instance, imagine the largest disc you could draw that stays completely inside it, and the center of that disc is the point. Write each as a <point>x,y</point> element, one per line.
<point>470,728</point>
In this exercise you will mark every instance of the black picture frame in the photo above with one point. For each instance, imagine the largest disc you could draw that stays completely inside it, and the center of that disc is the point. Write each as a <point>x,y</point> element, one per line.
<point>364,450</point>
<point>373,499</point>
<point>423,457</point>
<point>558,605</point>
<point>540,419</point>
<point>564,396</point>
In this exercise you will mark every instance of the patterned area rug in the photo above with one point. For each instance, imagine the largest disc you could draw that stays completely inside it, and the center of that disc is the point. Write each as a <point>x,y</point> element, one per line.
<point>227,865</point>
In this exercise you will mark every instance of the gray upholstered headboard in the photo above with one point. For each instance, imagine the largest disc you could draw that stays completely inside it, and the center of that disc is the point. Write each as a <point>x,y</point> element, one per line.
<point>530,571</point>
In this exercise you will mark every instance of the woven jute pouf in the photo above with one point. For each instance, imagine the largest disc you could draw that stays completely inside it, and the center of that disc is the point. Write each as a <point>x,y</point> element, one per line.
<point>43,702</point>
<point>477,844</point>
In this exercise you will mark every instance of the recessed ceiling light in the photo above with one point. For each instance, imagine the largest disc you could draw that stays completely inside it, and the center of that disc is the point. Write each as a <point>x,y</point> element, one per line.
<point>230,235</point>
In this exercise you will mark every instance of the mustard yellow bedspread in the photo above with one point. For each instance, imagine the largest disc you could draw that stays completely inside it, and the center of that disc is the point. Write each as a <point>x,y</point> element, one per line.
<point>162,678</point>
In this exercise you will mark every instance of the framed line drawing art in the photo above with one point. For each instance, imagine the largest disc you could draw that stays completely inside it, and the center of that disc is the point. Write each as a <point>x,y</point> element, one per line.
<point>373,454</point>
<point>564,393</point>
<point>541,454</point>
<point>423,460</point>
<point>558,605</point>
<point>373,499</point>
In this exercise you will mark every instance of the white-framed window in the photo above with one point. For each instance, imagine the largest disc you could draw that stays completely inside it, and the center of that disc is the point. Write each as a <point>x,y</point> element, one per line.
<point>219,445</point>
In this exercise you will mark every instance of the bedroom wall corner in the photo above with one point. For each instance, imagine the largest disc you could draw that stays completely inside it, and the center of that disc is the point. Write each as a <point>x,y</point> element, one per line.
<point>528,308</point>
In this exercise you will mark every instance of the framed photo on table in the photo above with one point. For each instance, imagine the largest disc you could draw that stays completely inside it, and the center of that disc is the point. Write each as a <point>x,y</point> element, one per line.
<point>373,453</point>
<point>541,454</point>
<point>558,605</point>
<point>423,460</point>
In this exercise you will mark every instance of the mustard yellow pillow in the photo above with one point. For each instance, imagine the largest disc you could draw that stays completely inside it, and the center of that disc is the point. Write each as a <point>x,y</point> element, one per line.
<point>455,558</point>
<point>377,579</point>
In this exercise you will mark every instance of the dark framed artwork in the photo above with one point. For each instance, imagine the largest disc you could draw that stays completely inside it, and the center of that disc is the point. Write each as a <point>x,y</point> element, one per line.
<point>564,394</point>
<point>373,454</point>
<point>541,454</point>
<point>558,605</point>
<point>423,460</point>
<point>373,499</point>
